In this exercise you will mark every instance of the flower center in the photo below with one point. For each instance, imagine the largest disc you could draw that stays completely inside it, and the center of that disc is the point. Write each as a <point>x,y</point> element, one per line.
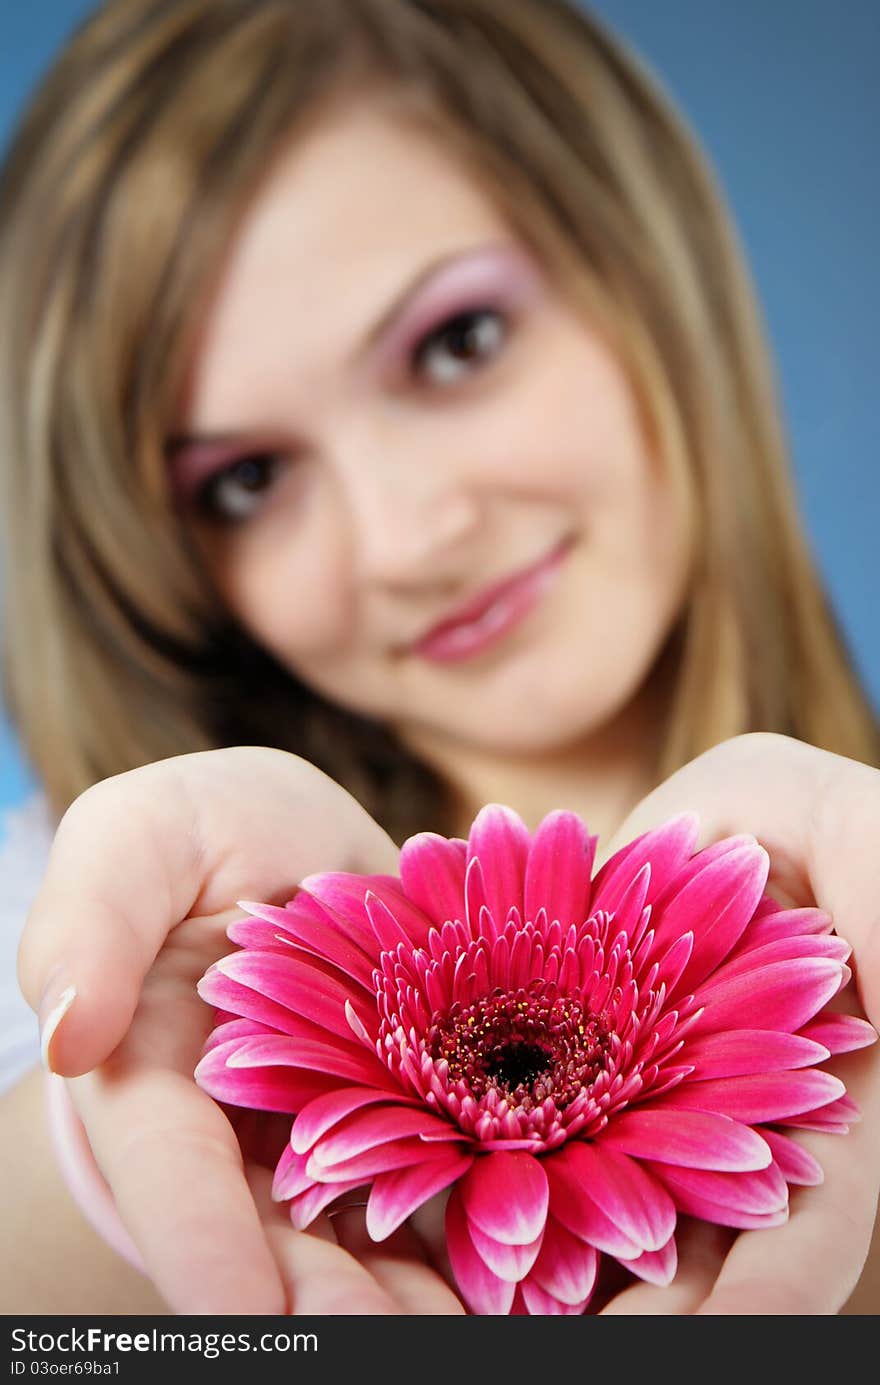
<point>528,1045</point>
<point>514,1065</point>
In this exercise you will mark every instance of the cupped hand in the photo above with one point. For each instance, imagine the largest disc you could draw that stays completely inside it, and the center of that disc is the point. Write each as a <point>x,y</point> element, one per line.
<point>132,910</point>
<point>818,815</point>
<point>335,1264</point>
<point>134,922</point>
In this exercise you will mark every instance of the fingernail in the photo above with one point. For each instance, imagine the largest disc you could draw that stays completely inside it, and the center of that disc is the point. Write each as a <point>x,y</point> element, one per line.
<point>49,1025</point>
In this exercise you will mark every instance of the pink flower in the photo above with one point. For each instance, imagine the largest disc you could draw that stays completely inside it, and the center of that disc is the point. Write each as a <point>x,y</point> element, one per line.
<point>577,1059</point>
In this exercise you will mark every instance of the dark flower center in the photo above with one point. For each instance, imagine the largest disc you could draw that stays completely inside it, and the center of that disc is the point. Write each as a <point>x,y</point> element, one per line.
<point>515,1064</point>
<point>528,1045</point>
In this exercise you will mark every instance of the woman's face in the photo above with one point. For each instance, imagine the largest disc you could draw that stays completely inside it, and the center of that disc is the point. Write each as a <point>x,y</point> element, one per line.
<point>391,412</point>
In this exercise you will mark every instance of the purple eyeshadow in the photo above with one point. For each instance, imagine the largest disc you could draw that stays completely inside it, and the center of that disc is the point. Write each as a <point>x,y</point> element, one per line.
<point>497,276</point>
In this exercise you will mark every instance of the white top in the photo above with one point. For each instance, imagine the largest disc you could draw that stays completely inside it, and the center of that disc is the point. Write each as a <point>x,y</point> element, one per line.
<point>26,834</point>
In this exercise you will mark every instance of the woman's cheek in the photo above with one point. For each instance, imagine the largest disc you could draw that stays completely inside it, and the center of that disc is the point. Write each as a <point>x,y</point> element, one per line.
<point>290,596</point>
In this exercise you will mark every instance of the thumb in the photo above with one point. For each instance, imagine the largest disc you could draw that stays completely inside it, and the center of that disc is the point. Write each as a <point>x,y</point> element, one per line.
<point>817,814</point>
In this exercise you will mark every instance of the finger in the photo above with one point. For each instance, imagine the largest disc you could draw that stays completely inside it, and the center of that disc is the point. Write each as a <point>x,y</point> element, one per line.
<point>139,852</point>
<point>429,1224</point>
<point>319,1276</point>
<point>175,1168</point>
<point>701,1251</point>
<point>399,1264</point>
<point>171,1155</point>
<point>817,814</point>
<point>812,1264</point>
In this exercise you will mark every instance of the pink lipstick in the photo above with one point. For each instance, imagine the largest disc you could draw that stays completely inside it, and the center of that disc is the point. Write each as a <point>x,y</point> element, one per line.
<point>492,614</point>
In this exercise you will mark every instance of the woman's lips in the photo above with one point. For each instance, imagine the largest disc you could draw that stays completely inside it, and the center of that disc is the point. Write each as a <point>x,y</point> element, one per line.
<point>490,617</point>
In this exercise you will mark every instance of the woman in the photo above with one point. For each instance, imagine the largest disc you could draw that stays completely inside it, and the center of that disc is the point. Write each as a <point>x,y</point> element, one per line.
<point>385,389</point>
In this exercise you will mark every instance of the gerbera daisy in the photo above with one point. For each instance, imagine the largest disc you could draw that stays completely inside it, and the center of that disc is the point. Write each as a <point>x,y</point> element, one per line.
<point>577,1058</point>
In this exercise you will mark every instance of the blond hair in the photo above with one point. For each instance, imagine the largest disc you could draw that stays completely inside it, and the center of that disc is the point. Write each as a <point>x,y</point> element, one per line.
<point>120,194</point>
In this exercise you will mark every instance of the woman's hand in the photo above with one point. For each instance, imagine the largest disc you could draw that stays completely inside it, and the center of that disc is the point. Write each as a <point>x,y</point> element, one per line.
<point>135,925</point>
<point>133,908</point>
<point>818,815</point>
<point>335,1263</point>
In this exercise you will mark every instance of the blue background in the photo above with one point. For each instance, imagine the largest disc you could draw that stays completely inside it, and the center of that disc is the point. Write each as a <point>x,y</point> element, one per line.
<point>784,96</point>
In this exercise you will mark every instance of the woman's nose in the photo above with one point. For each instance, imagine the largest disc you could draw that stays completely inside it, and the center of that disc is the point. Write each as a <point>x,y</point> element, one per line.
<point>411,514</point>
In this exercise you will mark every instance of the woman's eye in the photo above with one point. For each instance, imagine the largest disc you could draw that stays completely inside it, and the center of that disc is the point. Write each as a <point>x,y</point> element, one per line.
<point>235,493</point>
<point>462,344</point>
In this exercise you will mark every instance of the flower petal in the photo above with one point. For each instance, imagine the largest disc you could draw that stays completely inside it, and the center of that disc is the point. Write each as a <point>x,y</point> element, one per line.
<point>263,1089</point>
<point>840,1033</point>
<point>479,920</point>
<point>672,963</point>
<point>655,1266</point>
<point>762,1096</point>
<point>716,904</point>
<point>837,1115</point>
<point>262,935</point>
<point>742,1199</point>
<point>736,1052</point>
<point>825,1127</point>
<point>774,922</point>
<point>308,1205</point>
<point>415,922</point>
<point>795,1163</point>
<point>783,995</point>
<point>329,1059</point>
<point>507,1261</point>
<point>694,1139</point>
<point>377,1125</point>
<point>507,1196</point>
<point>785,950</point>
<point>388,931</point>
<point>303,989</point>
<point>558,869</point>
<point>432,875</point>
<point>729,1216</point>
<point>628,1196</point>
<point>320,933</point>
<point>363,1168</point>
<point>396,1195</point>
<point>631,914</point>
<point>234,1029</point>
<point>572,1205</point>
<point>340,896</point>
<point>290,1176</point>
<point>667,848</point>
<point>566,1266</point>
<point>500,841</point>
<point>268,1016</point>
<point>698,863</point>
<point>542,1304</point>
<point>325,1111</point>
<point>482,1290</point>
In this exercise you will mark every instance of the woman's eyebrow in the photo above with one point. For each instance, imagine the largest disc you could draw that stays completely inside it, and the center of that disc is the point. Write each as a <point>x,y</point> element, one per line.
<point>467,268</point>
<point>179,441</point>
<point>374,334</point>
<point>411,291</point>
